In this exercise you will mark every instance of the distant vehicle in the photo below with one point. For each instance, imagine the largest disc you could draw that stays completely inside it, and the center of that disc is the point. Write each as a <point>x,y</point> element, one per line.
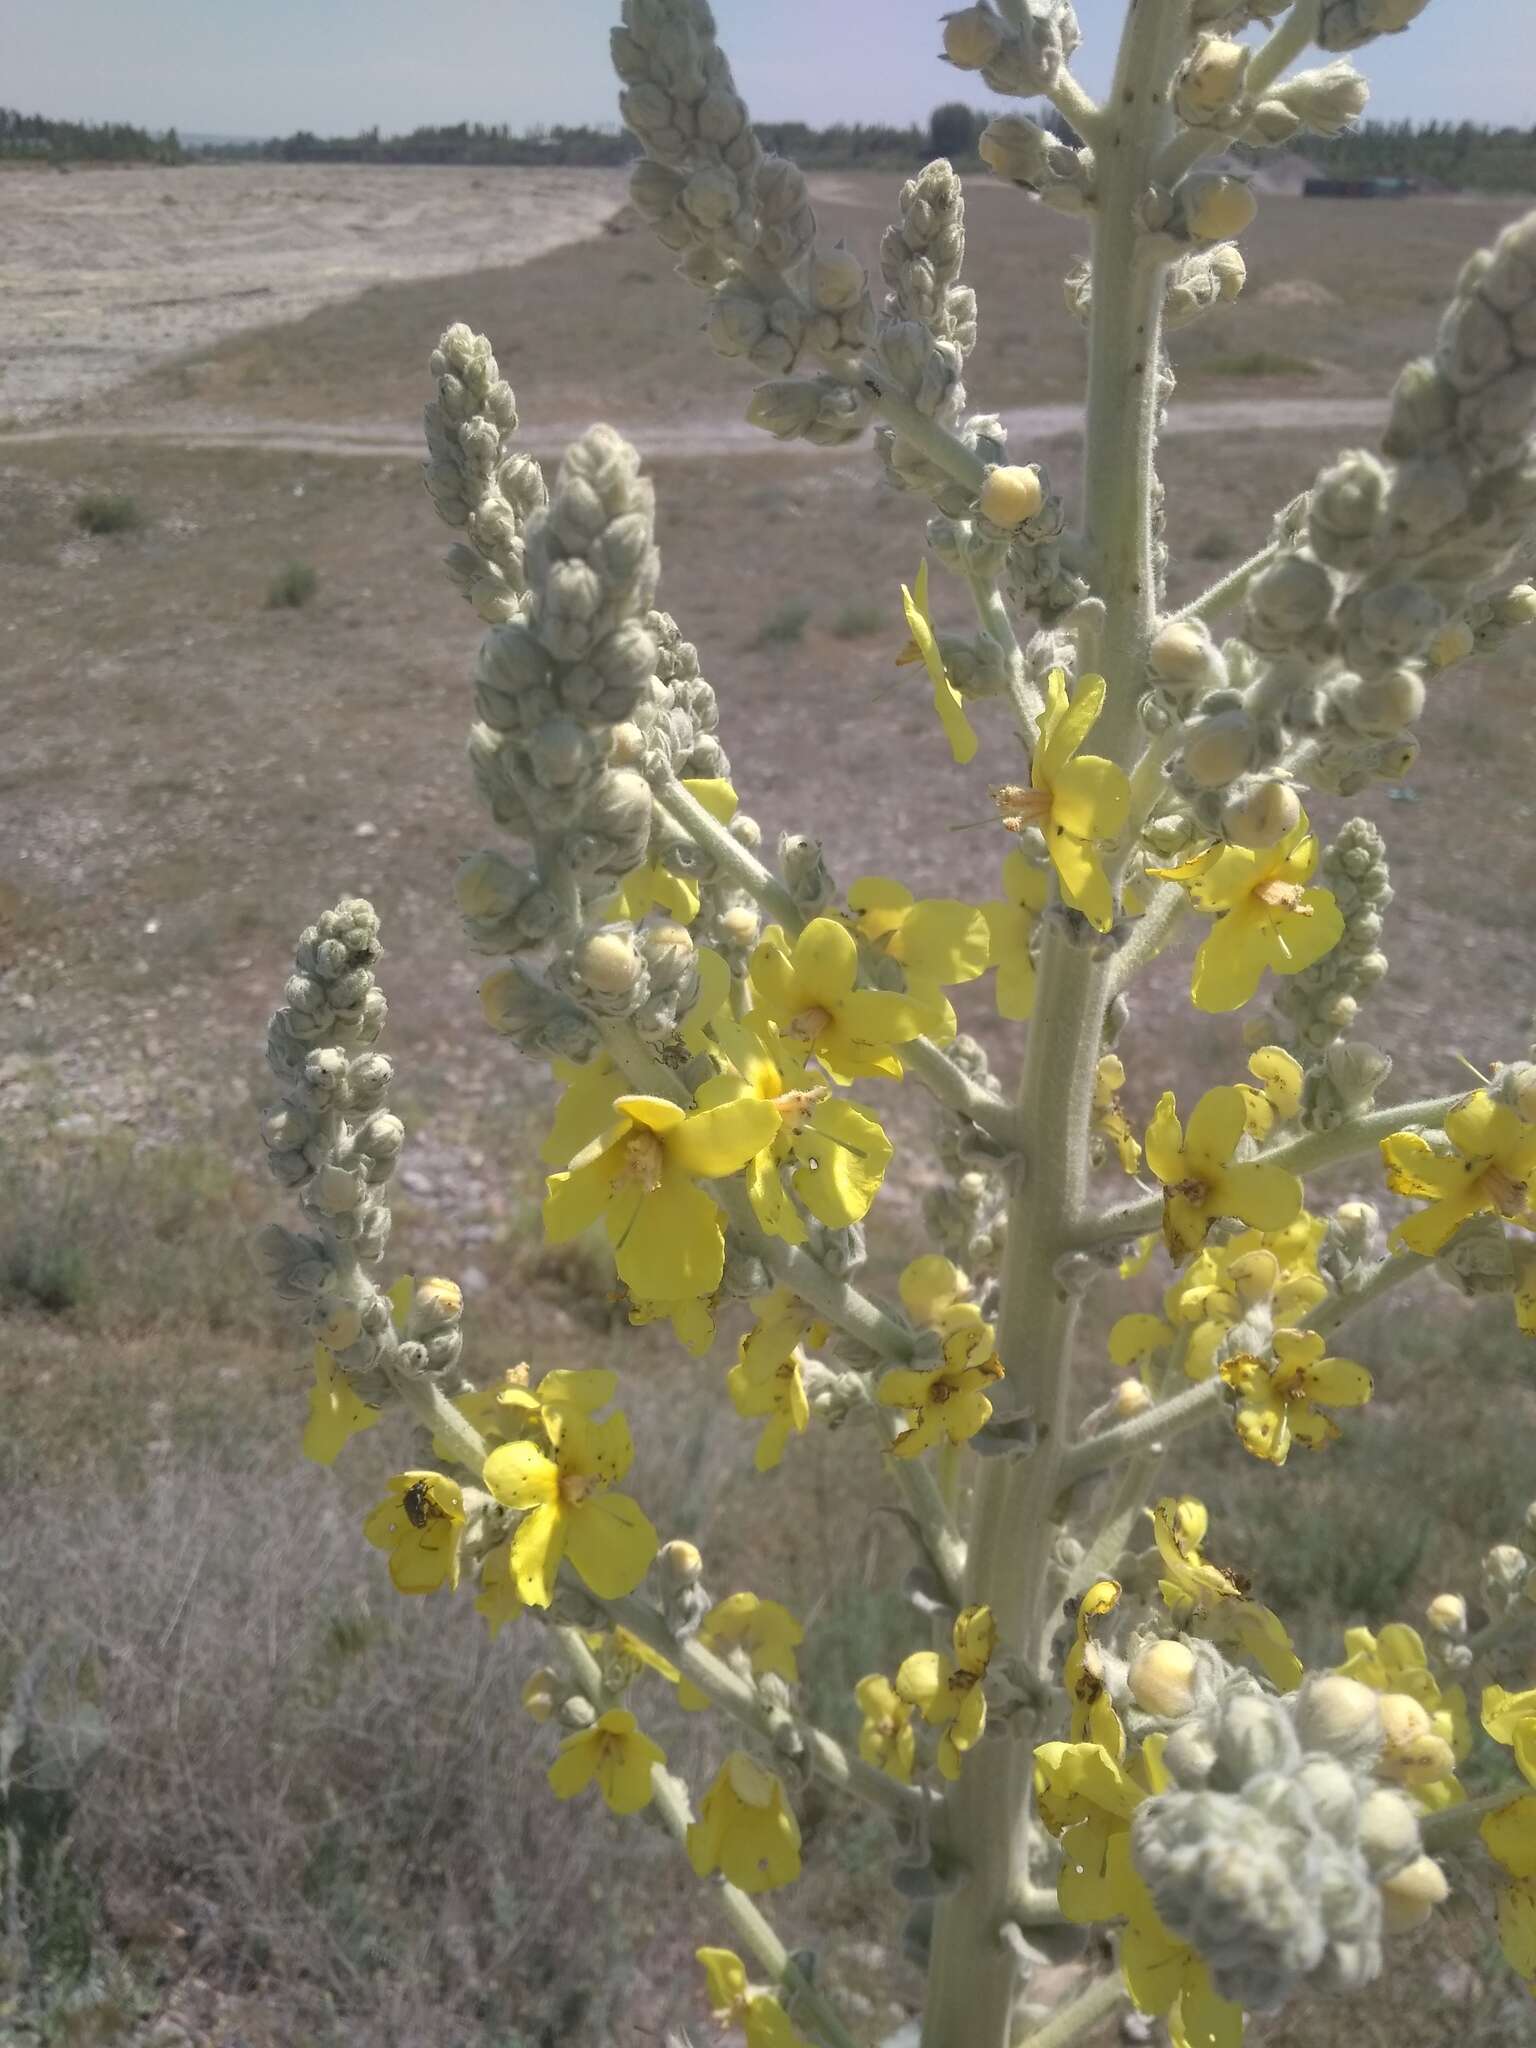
<point>1359,188</point>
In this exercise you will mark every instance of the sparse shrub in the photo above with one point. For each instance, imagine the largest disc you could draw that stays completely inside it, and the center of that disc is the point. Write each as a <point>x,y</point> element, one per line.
<point>292,587</point>
<point>108,512</point>
<point>784,625</point>
<point>858,621</point>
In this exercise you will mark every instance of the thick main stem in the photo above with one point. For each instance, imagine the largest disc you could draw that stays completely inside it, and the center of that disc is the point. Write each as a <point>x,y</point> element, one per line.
<point>972,1979</point>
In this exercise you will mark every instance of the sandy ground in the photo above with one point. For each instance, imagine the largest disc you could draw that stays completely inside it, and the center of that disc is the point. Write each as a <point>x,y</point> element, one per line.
<point>106,272</point>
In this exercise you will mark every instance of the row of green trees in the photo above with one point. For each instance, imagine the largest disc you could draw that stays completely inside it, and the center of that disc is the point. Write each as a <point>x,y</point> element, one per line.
<point>1461,154</point>
<point>40,137</point>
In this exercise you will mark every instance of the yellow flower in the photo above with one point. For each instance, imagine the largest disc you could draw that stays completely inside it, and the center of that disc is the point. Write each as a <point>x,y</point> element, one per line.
<point>1424,1745</point>
<point>1078,801</point>
<point>1265,915</point>
<point>924,647</point>
<point>887,1738</point>
<point>499,1599</point>
<point>1510,1838</point>
<point>1225,1284</point>
<point>777,1395</point>
<point>1093,1717</point>
<point>585,1109</point>
<point>692,1319</point>
<point>1108,1117</point>
<point>767,1633</point>
<point>1488,1172</point>
<point>810,995</point>
<point>1165,1975</point>
<point>783,1323</point>
<point>1208,1600</point>
<point>947,1401</point>
<point>653,886</point>
<point>1085,1799</point>
<point>616,1754</point>
<point>420,1522</point>
<point>948,1691</point>
<point>733,2001</point>
<point>1277,1401</point>
<point>1277,1099</point>
<point>837,1153</point>
<point>936,943</point>
<point>1011,921</point>
<point>567,1508</point>
<point>934,1292</point>
<point>745,1828</point>
<point>641,1176</point>
<point>1201,1181</point>
<point>336,1414</point>
<point>1510,1718</point>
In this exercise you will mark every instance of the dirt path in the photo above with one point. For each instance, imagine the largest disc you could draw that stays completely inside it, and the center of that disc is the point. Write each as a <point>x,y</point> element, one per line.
<point>1027,426</point>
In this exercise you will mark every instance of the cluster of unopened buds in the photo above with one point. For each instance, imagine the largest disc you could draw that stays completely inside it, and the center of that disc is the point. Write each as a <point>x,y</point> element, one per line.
<point>1088,1727</point>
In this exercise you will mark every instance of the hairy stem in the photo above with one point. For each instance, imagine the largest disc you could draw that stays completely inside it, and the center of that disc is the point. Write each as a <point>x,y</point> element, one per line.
<point>1071,2021</point>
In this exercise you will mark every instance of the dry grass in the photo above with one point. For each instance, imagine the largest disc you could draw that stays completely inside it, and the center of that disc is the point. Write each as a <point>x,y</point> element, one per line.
<point>333,1796</point>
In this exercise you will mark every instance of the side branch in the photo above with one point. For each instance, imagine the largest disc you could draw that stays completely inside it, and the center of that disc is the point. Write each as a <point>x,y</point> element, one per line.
<point>942,1078</point>
<point>1310,1153</point>
<point>669,1796</point>
<point>736,1697</point>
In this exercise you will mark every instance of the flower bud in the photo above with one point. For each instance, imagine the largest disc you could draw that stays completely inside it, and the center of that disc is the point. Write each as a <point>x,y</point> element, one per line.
<point>1216,208</point>
<point>1413,1753</point>
<point>541,1694</point>
<point>1447,1614</point>
<point>973,37</point>
<point>679,1565</point>
<point>1378,705</point>
<point>1326,100</point>
<point>1131,1399</point>
<point>1451,644</point>
<point>609,962</point>
<point>1211,79</point>
<point>434,1306</point>
<point>1389,1830</point>
<point>1409,1897</point>
<point>1260,816</point>
<point>1218,749</point>
<point>577,1712</point>
<point>1162,1679</point>
<point>837,279</point>
<point>1011,493</point>
<point>1184,657</point>
<point>1338,1714</point>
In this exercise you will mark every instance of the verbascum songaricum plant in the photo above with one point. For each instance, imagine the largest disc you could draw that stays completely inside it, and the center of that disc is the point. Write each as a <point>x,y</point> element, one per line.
<point>1098,1724</point>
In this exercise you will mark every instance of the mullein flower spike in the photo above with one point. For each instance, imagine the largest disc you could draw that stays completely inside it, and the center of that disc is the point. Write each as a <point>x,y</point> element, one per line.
<point>716,1008</point>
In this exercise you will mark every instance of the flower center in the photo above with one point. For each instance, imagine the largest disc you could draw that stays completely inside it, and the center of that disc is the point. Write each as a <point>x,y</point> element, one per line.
<point>644,1158</point>
<point>575,1486</point>
<point>1502,1189</point>
<point>1020,806</point>
<point>1192,1190</point>
<point>797,1105</point>
<point>1284,896</point>
<point>810,1023</point>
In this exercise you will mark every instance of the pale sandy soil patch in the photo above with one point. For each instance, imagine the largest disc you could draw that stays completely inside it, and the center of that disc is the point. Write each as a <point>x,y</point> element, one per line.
<point>106,272</point>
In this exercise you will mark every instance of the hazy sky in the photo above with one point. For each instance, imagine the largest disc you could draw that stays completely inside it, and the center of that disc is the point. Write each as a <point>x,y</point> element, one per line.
<point>270,66</point>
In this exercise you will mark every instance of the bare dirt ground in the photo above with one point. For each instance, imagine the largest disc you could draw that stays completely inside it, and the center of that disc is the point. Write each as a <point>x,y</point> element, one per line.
<point>188,775</point>
<point>107,271</point>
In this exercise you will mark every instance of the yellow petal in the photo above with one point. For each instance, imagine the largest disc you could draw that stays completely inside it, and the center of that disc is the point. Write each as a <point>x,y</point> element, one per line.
<point>713,1142</point>
<point>674,1245</point>
<point>1215,1129</point>
<point>1066,724</point>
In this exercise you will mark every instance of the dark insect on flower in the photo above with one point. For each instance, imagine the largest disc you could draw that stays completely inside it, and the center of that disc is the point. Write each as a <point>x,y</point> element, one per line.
<point>419,1505</point>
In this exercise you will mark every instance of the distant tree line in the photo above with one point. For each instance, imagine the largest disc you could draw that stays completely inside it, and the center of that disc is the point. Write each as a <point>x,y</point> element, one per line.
<point>41,139</point>
<point>1460,154</point>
